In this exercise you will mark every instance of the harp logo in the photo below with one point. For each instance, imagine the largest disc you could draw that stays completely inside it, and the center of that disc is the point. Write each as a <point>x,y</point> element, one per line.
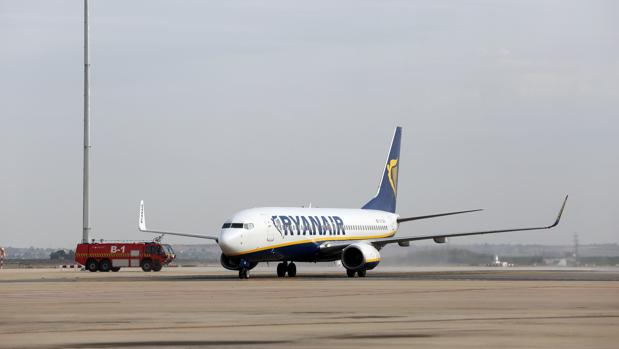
<point>392,174</point>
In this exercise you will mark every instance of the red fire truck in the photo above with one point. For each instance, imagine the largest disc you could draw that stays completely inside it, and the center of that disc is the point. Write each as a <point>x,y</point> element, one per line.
<point>106,256</point>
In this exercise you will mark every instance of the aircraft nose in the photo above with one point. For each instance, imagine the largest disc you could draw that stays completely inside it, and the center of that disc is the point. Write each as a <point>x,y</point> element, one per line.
<point>230,241</point>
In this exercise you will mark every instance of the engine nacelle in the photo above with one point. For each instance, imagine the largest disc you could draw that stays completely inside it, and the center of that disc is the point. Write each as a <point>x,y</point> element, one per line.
<point>232,263</point>
<point>360,256</point>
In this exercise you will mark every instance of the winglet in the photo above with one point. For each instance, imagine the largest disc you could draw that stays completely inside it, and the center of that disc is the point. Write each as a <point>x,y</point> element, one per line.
<point>142,219</point>
<point>560,213</point>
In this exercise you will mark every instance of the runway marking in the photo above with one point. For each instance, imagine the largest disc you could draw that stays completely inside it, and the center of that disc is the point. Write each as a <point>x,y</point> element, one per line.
<point>153,344</point>
<point>326,322</point>
<point>382,336</point>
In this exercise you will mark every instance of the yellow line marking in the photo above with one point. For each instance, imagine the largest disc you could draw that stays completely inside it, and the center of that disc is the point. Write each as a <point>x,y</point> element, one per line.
<point>330,238</point>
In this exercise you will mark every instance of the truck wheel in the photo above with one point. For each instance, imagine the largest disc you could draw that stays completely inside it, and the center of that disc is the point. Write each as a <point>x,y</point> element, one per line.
<point>105,265</point>
<point>157,266</point>
<point>147,265</point>
<point>92,265</point>
<point>115,269</point>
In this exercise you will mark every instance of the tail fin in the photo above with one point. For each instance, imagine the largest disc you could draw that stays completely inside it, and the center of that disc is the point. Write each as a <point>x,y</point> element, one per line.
<point>385,199</point>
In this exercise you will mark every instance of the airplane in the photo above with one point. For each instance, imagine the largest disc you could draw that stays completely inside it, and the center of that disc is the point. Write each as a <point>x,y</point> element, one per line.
<point>353,236</point>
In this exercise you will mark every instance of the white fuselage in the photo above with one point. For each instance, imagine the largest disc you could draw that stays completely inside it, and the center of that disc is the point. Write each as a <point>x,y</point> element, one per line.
<point>297,233</point>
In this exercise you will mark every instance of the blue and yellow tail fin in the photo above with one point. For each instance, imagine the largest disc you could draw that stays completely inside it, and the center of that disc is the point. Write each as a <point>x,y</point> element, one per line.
<point>385,199</point>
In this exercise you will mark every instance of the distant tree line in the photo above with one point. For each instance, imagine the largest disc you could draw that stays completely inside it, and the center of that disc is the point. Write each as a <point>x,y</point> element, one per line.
<point>62,255</point>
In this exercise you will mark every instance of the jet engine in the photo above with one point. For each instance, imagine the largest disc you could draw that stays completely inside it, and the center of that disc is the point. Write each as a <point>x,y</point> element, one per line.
<point>232,263</point>
<point>360,256</point>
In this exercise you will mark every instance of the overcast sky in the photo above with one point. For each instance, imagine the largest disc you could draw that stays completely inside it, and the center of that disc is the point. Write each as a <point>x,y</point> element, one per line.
<point>205,108</point>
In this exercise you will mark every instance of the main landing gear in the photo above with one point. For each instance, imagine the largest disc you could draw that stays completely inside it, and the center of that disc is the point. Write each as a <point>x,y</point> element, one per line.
<point>351,273</point>
<point>284,267</point>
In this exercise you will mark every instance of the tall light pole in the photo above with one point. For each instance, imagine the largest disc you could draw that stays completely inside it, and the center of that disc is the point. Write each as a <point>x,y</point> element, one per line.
<point>86,176</point>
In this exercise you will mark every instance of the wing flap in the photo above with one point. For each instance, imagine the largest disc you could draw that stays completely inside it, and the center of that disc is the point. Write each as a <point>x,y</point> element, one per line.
<point>406,219</point>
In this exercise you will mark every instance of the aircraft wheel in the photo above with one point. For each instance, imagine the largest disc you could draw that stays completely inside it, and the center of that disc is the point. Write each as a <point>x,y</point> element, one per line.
<point>243,273</point>
<point>92,265</point>
<point>362,273</point>
<point>281,270</point>
<point>350,273</point>
<point>292,270</point>
<point>105,265</point>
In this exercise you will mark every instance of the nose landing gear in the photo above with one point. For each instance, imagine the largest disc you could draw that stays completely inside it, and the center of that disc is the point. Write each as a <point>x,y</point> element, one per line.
<point>243,273</point>
<point>351,273</point>
<point>244,269</point>
<point>285,267</point>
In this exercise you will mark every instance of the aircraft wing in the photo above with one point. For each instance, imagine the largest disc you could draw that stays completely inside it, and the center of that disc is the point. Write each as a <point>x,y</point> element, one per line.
<point>142,227</point>
<point>332,249</point>
<point>439,238</point>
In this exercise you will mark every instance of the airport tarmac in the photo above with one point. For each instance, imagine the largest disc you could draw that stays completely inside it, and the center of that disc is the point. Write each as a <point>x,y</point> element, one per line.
<point>392,307</point>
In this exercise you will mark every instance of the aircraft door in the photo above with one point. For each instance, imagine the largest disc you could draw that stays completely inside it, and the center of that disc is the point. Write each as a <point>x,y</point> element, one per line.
<point>270,228</point>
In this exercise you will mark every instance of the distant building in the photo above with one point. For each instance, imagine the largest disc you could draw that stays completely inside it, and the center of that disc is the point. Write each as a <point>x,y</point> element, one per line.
<point>2,255</point>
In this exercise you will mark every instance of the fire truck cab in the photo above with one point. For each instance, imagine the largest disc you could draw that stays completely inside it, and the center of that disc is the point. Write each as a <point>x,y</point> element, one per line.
<point>111,256</point>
